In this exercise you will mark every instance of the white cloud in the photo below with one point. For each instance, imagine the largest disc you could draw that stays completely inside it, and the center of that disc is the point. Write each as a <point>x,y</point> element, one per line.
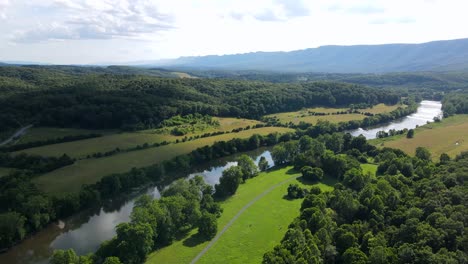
<point>100,30</point>
<point>99,20</point>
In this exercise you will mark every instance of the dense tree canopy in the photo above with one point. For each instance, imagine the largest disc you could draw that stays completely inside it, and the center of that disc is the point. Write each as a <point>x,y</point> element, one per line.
<point>414,211</point>
<point>52,98</point>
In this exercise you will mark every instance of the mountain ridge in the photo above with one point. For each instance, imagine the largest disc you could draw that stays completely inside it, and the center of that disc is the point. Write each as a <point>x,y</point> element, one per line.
<point>440,55</point>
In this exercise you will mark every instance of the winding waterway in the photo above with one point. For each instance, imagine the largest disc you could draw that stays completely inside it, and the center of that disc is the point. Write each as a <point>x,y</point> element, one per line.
<point>425,113</point>
<point>85,231</point>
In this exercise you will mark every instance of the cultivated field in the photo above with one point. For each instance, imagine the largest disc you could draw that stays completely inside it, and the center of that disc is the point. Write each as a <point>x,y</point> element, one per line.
<point>258,229</point>
<point>304,114</point>
<point>449,136</point>
<point>45,133</point>
<point>382,108</point>
<point>296,118</point>
<point>88,171</point>
<point>110,141</point>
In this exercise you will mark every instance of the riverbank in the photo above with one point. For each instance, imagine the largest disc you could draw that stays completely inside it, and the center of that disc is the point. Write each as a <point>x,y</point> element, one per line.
<point>448,136</point>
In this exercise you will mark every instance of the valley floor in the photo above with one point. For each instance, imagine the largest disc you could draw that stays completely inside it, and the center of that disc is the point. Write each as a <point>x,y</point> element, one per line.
<point>448,136</point>
<point>253,220</point>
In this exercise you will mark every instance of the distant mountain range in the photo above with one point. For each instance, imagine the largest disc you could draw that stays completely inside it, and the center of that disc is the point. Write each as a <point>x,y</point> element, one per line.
<point>445,55</point>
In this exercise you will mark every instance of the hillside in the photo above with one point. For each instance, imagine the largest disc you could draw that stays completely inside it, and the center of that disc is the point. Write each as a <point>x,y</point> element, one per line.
<point>447,55</point>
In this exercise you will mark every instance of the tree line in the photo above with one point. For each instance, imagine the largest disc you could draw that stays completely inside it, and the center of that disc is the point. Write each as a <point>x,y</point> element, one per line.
<point>34,163</point>
<point>413,211</point>
<point>24,209</point>
<point>39,143</point>
<point>455,103</point>
<point>98,101</point>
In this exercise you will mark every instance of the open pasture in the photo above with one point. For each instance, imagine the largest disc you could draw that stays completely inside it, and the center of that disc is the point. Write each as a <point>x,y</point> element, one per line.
<point>258,229</point>
<point>88,171</point>
<point>448,136</point>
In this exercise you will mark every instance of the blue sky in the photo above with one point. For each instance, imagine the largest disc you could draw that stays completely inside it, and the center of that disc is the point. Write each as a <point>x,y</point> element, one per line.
<point>104,31</point>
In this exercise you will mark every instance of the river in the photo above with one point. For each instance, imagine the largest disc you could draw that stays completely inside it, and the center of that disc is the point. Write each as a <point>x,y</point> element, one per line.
<point>426,112</point>
<point>85,231</point>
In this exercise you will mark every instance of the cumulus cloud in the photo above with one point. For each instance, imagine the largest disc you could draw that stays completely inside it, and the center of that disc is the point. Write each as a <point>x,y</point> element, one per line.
<point>99,20</point>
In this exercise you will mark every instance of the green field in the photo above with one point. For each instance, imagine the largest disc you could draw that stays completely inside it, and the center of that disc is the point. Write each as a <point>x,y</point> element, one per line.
<point>296,118</point>
<point>304,114</point>
<point>372,168</point>
<point>45,133</point>
<point>110,141</point>
<point>82,148</point>
<point>88,171</point>
<point>448,136</point>
<point>257,230</point>
<point>382,108</point>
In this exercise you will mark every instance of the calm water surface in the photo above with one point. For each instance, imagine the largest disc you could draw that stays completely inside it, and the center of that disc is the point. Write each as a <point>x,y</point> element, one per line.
<point>425,113</point>
<point>85,231</point>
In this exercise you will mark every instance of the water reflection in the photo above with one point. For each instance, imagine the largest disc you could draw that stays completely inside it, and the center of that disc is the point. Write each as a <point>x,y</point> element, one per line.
<point>85,231</point>
<point>425,113</point>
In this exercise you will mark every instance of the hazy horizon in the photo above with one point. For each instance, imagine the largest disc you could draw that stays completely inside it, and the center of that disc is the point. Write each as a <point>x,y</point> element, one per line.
<point>113,32</point>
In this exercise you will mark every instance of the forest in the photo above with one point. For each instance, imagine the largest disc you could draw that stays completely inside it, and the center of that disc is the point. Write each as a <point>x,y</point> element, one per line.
<point>412,211</point>
<point>131,102</point>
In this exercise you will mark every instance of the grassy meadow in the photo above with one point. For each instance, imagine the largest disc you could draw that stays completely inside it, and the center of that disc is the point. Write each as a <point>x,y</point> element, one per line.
<point>110,141</point>
<point>369,168</point>
<point>296,118</point>
<point>257,230</point>
<point>448,136</point>
<point>304,114</point>
<point>88,171</point>
<point>382,108</point>
<point>45,133</point>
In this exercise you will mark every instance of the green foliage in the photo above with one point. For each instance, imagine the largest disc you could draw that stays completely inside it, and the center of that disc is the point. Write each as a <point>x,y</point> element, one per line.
<point>248,167</point>
<point>423,153</point>
<point>112,260</point>
<point>296,192</point>
<point>312,174</point>
<point>134,242</point>
<point>263,164</point>
<point>455,103</point>
<point>69,257</point>
<point>229,182</point>
<point>61,98</point>
<point>64,257</point>
<point>413,212</point>
<point>34,163</point>
<point>208,226</point>
<point>184,205</point>
<point>410,133</point>
<point>12,228</point>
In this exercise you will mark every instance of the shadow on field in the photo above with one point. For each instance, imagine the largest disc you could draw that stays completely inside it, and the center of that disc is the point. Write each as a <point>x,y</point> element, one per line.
<point>194,240</point>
